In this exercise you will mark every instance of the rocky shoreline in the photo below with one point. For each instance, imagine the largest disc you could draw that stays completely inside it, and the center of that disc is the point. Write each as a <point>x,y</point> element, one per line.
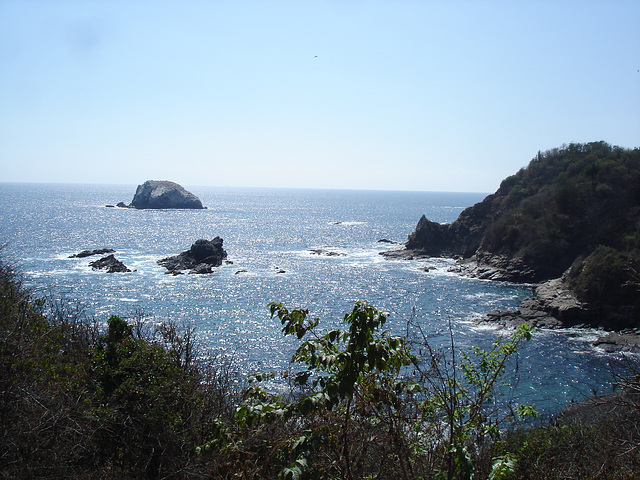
<point>552,305</point>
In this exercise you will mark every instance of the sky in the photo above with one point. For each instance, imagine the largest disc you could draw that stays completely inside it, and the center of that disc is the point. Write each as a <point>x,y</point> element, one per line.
<point>385,95</point>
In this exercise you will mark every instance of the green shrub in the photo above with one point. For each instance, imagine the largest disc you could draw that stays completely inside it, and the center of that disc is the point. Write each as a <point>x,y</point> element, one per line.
<point>607,276</point>
<point>74,404</point>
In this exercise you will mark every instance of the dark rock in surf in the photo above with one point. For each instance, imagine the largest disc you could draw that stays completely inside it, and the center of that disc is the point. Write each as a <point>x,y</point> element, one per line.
<point>88,253</point>
<point>163,194</point>
<point>200,258</point>
<point>327,253</point>
<point>109,263</point>
<point>391,242</point>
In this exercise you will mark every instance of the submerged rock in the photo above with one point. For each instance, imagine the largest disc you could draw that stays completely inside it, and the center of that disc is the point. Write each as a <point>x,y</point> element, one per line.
<point>327,253</point>
<point>200,258</point>
<point>163,194</point>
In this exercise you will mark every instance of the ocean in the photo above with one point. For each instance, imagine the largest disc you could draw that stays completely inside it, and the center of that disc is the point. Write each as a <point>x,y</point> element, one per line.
<point>272,237</point>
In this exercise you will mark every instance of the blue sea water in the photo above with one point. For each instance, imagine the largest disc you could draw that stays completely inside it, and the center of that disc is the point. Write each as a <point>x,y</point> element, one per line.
<point>267,232</point>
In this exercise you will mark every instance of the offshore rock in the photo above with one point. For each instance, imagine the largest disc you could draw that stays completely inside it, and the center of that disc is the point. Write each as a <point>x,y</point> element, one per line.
<point>88,253</point>
<point>109,263</point>
<point>327,253</point>
<point>200,258</point>
<point>391,242</point>
<point>163,194</point>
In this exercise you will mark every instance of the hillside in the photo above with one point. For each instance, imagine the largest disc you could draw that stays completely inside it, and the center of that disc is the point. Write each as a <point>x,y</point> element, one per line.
<point>573,211</point>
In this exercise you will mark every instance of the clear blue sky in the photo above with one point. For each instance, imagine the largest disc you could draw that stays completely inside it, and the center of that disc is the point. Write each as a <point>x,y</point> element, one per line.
<point>401,95</point>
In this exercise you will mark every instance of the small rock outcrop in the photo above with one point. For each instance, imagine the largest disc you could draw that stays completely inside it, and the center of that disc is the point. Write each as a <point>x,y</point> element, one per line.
<point>391,242</point>
<point>109,263</point>
<point>327,253</point>
<point>163,194</point>
<point>88,253</point>
<point>619,407</point>
<point>200,258</point>
<point>551,305</point>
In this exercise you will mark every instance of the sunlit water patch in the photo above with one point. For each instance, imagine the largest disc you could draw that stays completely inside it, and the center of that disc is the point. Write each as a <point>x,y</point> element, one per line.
<point>270,236</point>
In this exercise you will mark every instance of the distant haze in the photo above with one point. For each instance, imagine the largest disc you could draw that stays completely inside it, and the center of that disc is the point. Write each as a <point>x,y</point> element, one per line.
<point>401,95</point>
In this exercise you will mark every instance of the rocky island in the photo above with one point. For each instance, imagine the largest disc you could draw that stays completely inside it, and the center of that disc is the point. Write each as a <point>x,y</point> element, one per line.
<point>163,194</point>
<point>200,258</point>
<point>569,222</point>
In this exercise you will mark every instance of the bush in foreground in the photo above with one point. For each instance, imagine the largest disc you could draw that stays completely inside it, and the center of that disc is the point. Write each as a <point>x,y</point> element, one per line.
<point>132,401</point>
<point>75,403</point>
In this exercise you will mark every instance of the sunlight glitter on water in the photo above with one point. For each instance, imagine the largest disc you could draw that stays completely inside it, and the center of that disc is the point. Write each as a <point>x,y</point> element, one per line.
<point>266,232</point>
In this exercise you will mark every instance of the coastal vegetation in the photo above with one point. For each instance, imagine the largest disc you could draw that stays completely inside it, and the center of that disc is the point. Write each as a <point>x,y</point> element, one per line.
<point>565,204</point>
<point>131,400</point>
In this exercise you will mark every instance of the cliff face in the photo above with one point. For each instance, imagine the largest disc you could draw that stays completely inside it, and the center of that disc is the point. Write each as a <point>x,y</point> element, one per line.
<point>560,208</point>
<point>461,238</point>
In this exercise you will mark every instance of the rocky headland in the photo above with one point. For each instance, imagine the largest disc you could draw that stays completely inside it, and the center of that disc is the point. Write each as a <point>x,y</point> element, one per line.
<point>163,194</point>
<point>570,224</point>
<point>200,258</point>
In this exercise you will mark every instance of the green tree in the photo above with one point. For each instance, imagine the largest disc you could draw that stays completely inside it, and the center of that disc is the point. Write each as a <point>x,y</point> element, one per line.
<point>364,396</point>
